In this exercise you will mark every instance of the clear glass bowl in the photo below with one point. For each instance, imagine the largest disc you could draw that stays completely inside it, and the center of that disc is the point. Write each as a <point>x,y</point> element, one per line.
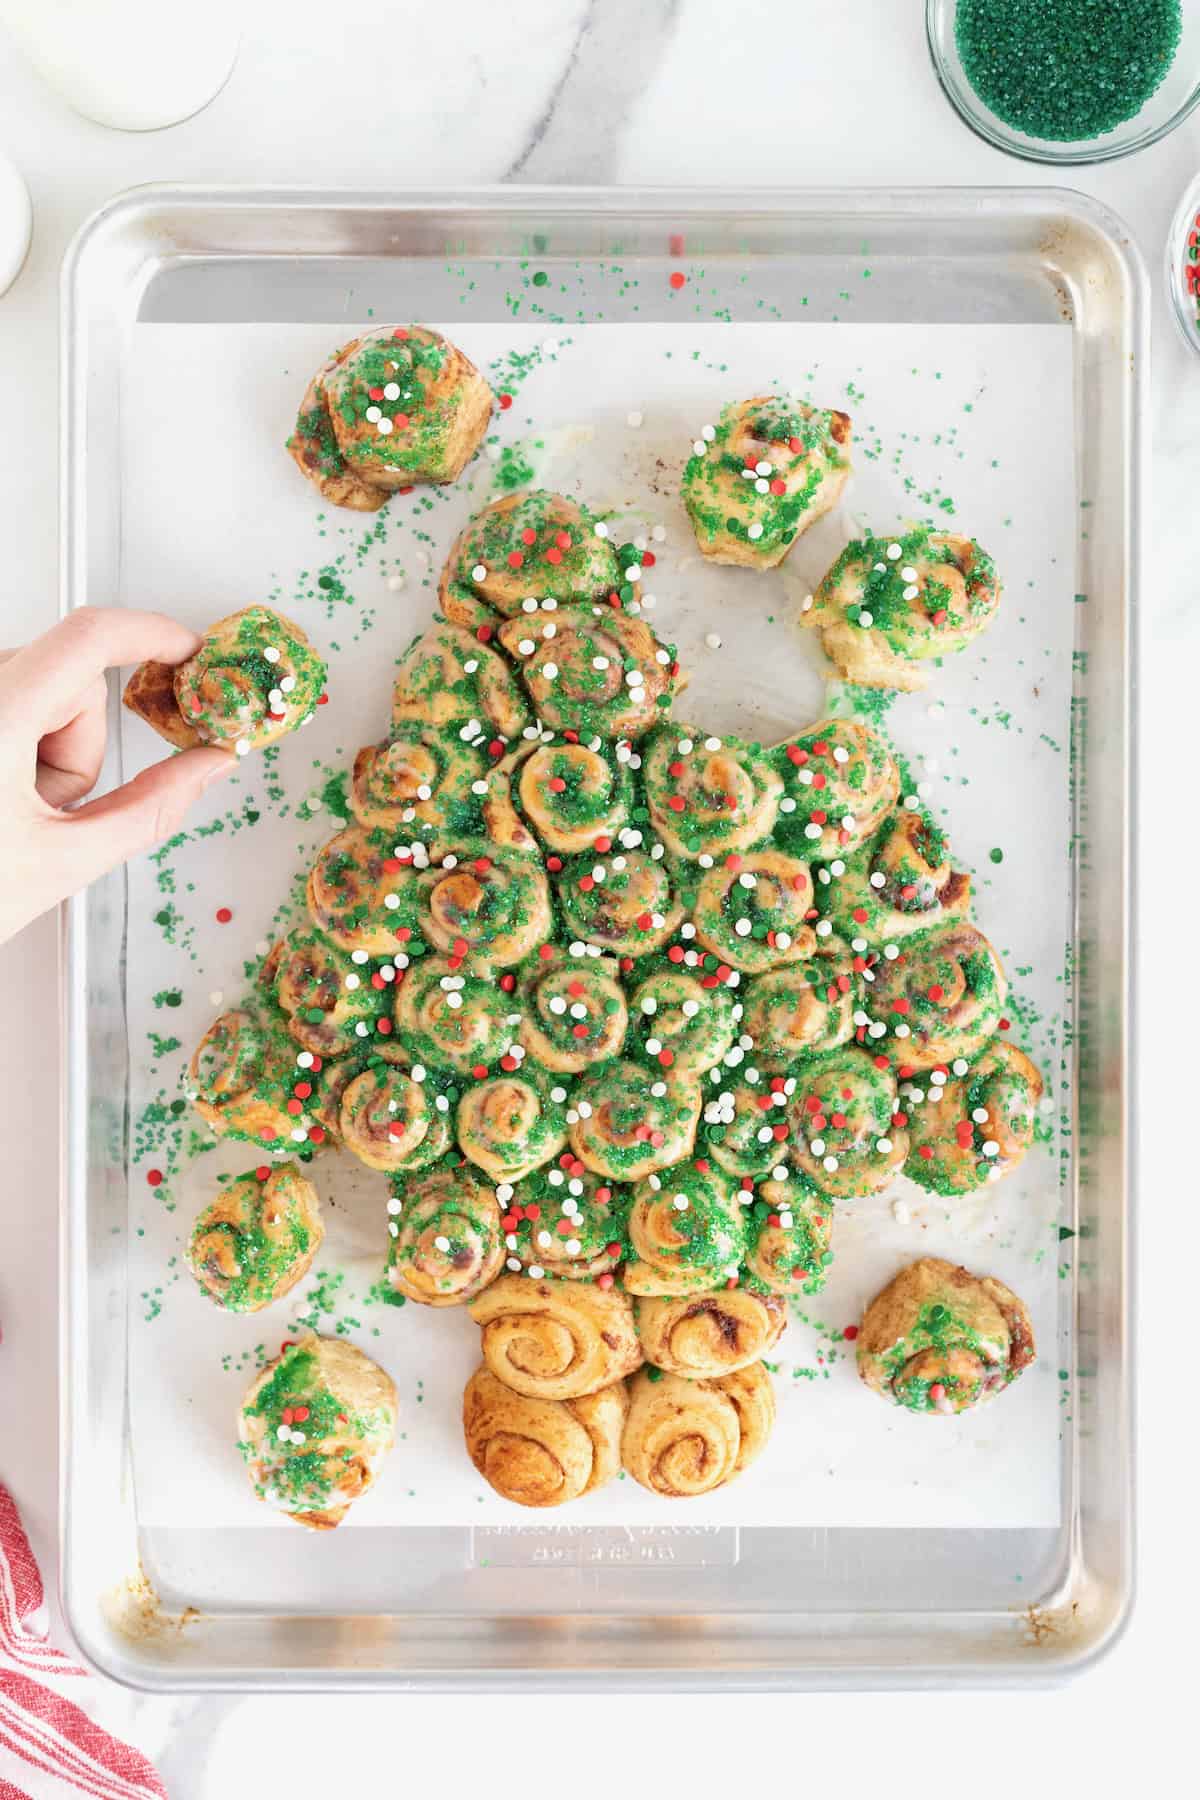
<point>1166,108</point>
<point>1185,300</point>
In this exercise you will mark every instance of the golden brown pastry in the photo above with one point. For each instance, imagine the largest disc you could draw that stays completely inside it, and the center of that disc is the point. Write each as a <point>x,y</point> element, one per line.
<point>445,1231</point>
<point>752,910</point>
<point>681,1020</point>
<point>398,405</point>
<point>565,1221</point>
<point>631,912</point>
<point>556,1339</point>
<point>761,476</point>
<point>511,1123</point>
<point>803,1009</point>
<point>789,1248</point>
<point>939,1340</point>
<point>314,1428</point>
<point>687,1231</point>
<point>391,1122</point>
<point>626,1130</point>
<point>450,1016</point>
<point>902,883</point>
<point>323,994</point>
<point>485,903</point>
<point>542,1452</point>
<point>241,1078</point>
<point>528,546</point>
<point>978,1126</point>
<point>942,999</point>
<point>840,781</point>
<point>449,679</point>
<point>361,895</point>
<point>423,775</point>
<point>575,796</point>
<point>594,670</point>
<point>684,1438</point>
<point>846,1134</point>
<point>254,679</point>
<point>257,1238</point>
<point>707,1335</point>
<point>575,1011</point>
<point>708,795</point>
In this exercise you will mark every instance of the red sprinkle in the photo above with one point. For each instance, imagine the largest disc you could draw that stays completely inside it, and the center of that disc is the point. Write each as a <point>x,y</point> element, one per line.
<point>263,1173</point>
<point>224,914</point>
<point>604,1281</point>
<point>677,278</point>
<point>505,402</point>
<point>850,1333</point>
<point>316,1135</point>
<point>154,1177</point>
<point>483,633</point>
<point>514,559</point>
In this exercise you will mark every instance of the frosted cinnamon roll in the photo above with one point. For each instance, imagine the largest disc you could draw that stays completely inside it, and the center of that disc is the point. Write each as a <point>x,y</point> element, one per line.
<point>745,1122</point>
<point>532,545</point>
<point>687,1232</point>
<point>324,996</point>
<point>422,774</point>
<point>789,1232</point>
<point>452,1017</point>
<point>804,1009</point>
<point>840,781</point>
<point>679,1023</point>
<point>594,670</point>
<point>631,911</point>
<point>361,895</point>
<point>398,405</point>
<point>846,1130</point>
<point>707,1335</point>
<point>761,476</point>
<point>315,1427</point>
<point>902,883</point>
<point>575,1011</point>
<point>565,1220</point>
<point>446,1241</point>
<point>939,1340</point>
<point>511,1124</point>
<point>625,1130</point>
<point>685,1438</point>
<point>977,1126</point>
<point>240,1079</point>
<point>479,901</point>
<point>942,999</point>
<point>542,1452</point>
<point>890,606</point>
<point>254,679</point>
<point>575,796</point>
<point>752,911</point>
<point>257,1238</point>
<point>708,795</point>
<point>391,1122</point>
<point>451,679</point>
<point>555,1340</point>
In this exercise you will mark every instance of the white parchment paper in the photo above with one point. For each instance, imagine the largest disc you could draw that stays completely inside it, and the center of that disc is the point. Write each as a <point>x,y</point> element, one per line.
<point>215,516</point>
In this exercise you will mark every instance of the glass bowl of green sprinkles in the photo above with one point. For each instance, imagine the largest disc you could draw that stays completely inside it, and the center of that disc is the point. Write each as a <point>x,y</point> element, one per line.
<point>1068,81</point>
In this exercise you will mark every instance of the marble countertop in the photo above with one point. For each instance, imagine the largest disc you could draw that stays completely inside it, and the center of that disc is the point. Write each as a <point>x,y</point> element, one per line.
<point>633,92</point>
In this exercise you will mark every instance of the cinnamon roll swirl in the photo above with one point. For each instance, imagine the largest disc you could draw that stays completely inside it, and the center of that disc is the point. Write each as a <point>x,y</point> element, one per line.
<point>942,999</point>
<point>482,902</point>
<point>257,1238</point>
<point>767,471</point>
<point>555,1340</point>
<point>421,774</point>
<point>543,1452</point>
<point>938,1339</point>
<point>575,796</point>
<point>840,781</point>
<point>708,795</point>
<point>687,1232</point>
<point>631,910</point>
<point>903,882</point>
<point>976,1127</point>
<point>594,670</point>
<point>452,680</point>
<point>446,1239</point>
<point>745,1123</point>
<point>361,895</point>
<point>528,546</point>
<point>708,1335</point>
<point>575,1012</point>
<point>391,1122</point>
<point>752,911</point>
<point>685,1438</point>
<point>565,1221</point>
<point>511,1124</point>
<point>452,1017</point>
<point>239,1080</point>
<point>790,1227</point>
<point>624,1130</point>
<point>846,1129</point>
<point>804,1009</point>
<point>324,995</point>
<point>679,1023</point>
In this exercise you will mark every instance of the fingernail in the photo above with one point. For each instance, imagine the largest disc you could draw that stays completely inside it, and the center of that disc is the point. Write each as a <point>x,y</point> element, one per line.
<point>217,770</point>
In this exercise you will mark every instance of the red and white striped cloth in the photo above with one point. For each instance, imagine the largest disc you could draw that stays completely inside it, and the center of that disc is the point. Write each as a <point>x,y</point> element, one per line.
<point>49,1748</point>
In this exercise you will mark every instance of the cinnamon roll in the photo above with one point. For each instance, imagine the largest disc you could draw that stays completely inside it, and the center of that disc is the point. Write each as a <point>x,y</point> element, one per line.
<point>631,910</point>
<point>624,1130</point>
<point>846,1130</point>
<point>528,546</point>
<point>391,1122</point>
<point>761,476</point>
<point>752,911</point>
<point>446,1241</point>
<point>975,1128</point>
<point>257,1238</point>
<point>708,1335</point>
<point>708,795</point>
<point>450,679</point>
<point>565,1221</point>
<point>555,1340</point>
<point>840,781</point>
<point>942,998</point>
<point>575,1011</point>
<point>398,405</point>
<point>361,895</point>
<point>452,1017</point>
<point>542,1452</point>
<point>684,1438</point>
<point>254,679</point>
<point>314,1428</point>
<point>594,670</point>
<point>903,882</point>
<point>804,1009</point>
<point>890,606</point>
<point>575,796</point>
<point>939,1340</point>
<point>423,774</point>
<point>324,995</point>
<point>687,1232</point>
<point>789,1229</point>
<point>482,902</point>
<point>511,1124</point>
<point>240,1079</point>
<point>679,1023</point>
<point>745,1122</point>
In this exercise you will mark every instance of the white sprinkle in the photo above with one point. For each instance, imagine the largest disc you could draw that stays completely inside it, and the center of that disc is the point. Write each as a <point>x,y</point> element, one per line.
<point>866,619</point>
<point>536,1271</point>
<point>633,420</point>
<point>894,552</point>
<point>384,428</point>
<point>840,754</point>
<point>900,1212</point>
<point>699,448</point>
<point>527,648</point>
<point>550,670</point>
<point>991,1148</point>
<point>883,1145</point>
<point>743,927</point>
<point>708,433</point>
<point>512,1262</point>
<point>755,530</point>
<point>374,414</point>
<point>762,487</point>
<point>680,1203</point>
<point>910,593</point>
<point>830,1164</point>
<point>600,528</point>
<point>242,747</point>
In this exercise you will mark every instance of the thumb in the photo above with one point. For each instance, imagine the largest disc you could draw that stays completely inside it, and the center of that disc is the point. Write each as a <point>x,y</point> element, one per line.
<point>96,837</point>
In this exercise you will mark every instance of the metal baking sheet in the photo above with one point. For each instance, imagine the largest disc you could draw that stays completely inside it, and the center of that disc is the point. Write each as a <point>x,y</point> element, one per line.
<point>673,1604</point>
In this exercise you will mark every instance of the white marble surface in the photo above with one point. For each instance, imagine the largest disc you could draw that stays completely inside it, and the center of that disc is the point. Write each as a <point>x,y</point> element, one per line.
<point>630,91</point>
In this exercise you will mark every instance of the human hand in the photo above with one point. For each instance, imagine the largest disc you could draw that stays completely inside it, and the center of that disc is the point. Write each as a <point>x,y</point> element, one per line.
<point>53,704</point>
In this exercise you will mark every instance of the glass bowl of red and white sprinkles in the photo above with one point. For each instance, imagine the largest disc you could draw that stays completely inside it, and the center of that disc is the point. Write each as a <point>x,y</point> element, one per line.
<point>1183,263</point>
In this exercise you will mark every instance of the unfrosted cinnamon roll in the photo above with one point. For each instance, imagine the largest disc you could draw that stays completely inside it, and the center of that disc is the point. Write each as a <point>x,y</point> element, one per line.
<point>679,1023</point>
<point>752,911</point>
<point>977,1126</point>
<point>240,1079</point>
<point>361,895</point>
<point>901,883</point>
<point>789,1231</point>
<point>423,774</point>
<point>594,670</point>
<point>687,1232</point>
<point>257,1238</point>
<point>938,1339</point>
<point>846,1134</point>
<point>511,1123</point>
<point>528,546</point>
<point>398,405</point>
<point>452,1017</point>
<point>631,911</point>
<point>761,476</point>
<point>804,1009</point>
<point>624,1129</point>
<point>482,902</point>
<point>889,606</point>
<point>314,1428</point>
<point>575,1011</point>
<point>254,679</point>
<point>684,1438</point>
<point>555,1340</point>
<point>450,679</point>
<point>942,999</point>
<point>391,1122</point>
<point>445,1231</point>
<point>542,1452</point>
<point>707,1335</point>
<point>708,795</point>
<point>323,994</point>
<point>840,781</point>
<point>575,796</point>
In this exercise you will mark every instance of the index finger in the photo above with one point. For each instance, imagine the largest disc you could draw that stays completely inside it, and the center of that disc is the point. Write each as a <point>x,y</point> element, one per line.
<point>51,672</point>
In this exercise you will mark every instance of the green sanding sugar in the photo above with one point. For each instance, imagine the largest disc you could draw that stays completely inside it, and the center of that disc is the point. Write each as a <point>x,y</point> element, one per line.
<point>1066,69</point>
